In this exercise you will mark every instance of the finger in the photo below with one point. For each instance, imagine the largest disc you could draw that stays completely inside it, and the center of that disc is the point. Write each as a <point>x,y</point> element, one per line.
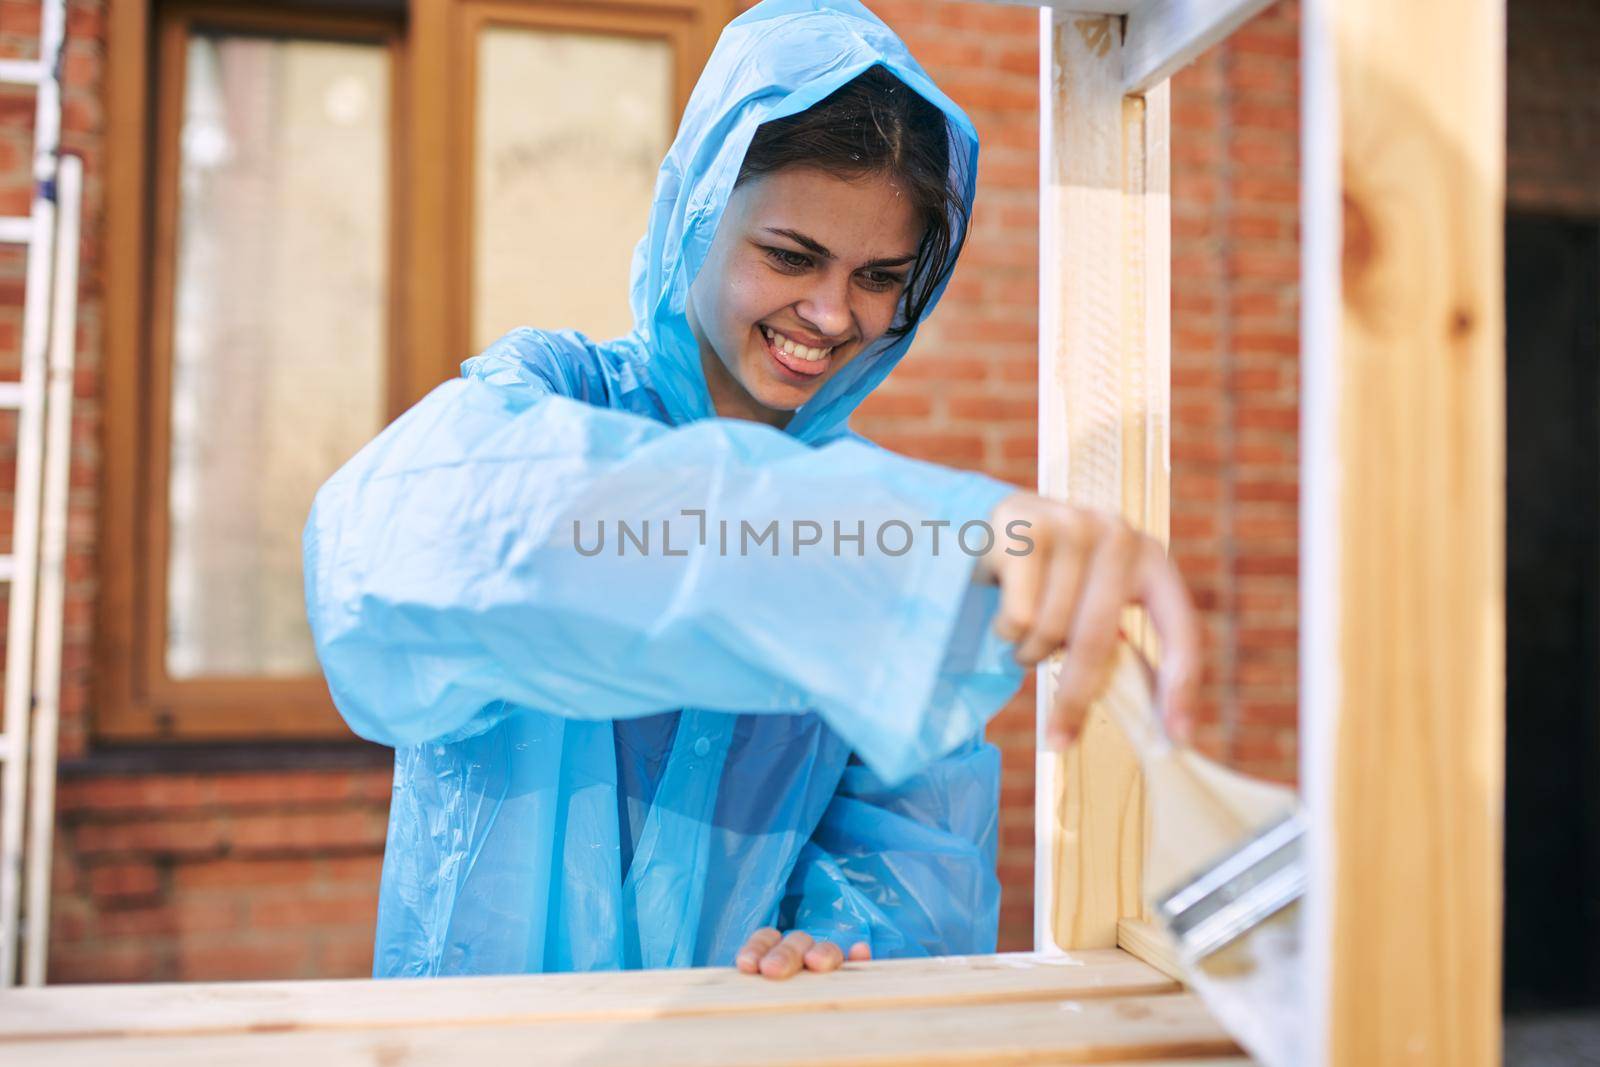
<point>824,956</point>
<point>783,960</point>
<point>1108,586</point>
<point>1177,624</point>
<point>1019,578</point>
<point>860,952</point>
<point>1058,600</point>
<point>760,943</point>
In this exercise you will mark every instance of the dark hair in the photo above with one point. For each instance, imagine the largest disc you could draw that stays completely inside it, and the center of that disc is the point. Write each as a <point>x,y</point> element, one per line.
<point>876,124</point>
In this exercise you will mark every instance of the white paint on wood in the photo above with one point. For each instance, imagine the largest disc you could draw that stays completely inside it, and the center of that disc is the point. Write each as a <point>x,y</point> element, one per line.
<point>1105,260</point>
<point>1089,815</point>
<point>1320,225</point>
<point>1163,36</point>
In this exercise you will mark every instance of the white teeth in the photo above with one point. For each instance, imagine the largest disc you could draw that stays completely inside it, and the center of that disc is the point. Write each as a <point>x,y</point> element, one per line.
<point>790,347</point>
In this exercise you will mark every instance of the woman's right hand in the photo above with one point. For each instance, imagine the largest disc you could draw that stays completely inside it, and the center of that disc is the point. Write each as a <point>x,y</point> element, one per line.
<point>776,955</point>
<point>1067,592</point>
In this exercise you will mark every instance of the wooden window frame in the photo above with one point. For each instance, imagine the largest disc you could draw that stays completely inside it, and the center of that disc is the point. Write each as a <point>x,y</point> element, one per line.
<point>135,698</point>
<point>443,101</point>
<point>433,65</point>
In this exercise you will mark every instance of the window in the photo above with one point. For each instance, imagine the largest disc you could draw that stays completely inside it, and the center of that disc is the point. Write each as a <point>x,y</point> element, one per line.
<point>315,212</point>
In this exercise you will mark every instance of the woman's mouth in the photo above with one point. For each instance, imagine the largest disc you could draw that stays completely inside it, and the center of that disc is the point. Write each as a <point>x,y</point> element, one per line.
<point>799,363</point>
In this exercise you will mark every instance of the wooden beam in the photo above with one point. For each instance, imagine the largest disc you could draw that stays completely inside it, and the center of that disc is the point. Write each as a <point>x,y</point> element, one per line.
<point>1163,36</point>
<point>147,1010</point>
<point>1174,1027</point>
<point>1403,507</point>
<point>1104,276</point>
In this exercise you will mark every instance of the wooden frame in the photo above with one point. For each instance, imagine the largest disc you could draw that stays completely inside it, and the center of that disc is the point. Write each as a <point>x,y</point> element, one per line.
<point>974,1011</point>
<point>134,696</point>
<point>1104,358</point>
<point>1402,644</point>
<point>1402,595</point>
<point>443,101</point>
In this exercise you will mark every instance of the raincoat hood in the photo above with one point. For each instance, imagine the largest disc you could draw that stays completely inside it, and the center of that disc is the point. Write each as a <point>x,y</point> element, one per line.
<point>775,60</point>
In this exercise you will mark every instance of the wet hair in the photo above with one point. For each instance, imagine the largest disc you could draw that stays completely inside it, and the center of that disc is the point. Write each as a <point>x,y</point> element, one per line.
<point>875,124</point>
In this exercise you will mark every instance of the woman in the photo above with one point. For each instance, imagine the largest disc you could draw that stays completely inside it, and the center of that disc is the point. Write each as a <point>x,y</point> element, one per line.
<point>608,756</point>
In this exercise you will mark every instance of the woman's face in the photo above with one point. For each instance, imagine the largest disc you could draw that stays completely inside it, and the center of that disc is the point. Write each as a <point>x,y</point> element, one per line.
<point>805,272</point>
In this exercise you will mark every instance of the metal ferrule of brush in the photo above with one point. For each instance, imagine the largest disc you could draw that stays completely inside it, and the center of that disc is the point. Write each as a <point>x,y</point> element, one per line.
<point>1231,897</point>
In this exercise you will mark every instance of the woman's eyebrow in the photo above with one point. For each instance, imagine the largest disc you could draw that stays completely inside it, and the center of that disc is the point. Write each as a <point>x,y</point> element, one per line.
<point>816,247</point>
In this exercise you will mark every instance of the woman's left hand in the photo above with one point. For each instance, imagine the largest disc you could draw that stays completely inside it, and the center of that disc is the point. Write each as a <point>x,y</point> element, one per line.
<point>778,955</point>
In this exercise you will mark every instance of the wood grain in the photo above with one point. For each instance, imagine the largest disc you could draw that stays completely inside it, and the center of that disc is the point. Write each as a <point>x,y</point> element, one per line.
<point>1164,36</point>
<point>1404,467</point>
<point>122,1010</point>
<point>1104,381</point>
<point>1151,944</point>
<point>1066,1031</point>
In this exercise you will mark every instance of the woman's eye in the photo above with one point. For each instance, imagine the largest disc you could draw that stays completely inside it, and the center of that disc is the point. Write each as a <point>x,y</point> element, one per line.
<point>882,280</point>
<point>788,258</point>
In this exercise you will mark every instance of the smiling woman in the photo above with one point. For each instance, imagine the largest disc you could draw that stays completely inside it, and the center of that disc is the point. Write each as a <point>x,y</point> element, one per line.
<point>775,322</point>
<point>706,756</point>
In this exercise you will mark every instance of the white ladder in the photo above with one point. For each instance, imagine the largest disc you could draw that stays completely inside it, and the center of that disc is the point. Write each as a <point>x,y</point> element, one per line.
<point>35,568</point>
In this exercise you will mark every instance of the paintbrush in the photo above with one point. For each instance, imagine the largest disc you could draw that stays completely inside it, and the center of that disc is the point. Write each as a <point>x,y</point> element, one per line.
<point>1226,871</point>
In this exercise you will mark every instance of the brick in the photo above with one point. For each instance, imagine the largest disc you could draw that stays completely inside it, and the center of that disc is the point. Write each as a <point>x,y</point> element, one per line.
<point>219,960</point>
<point>135,961</point>
<point>345,957</point>
<point>234,874</point>
<point>301,911</point>
<point>883,404</point>
<point>1023,411</point>
<point>123,881</point>
<point>174,837</point>
<point>303,832</point>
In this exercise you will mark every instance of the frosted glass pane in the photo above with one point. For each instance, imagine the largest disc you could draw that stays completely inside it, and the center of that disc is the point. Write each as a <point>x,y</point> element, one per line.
<point>279,339</point>
<point>571,128</point>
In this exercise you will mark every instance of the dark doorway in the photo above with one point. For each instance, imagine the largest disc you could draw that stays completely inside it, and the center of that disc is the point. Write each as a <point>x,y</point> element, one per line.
<point>1552,859</point>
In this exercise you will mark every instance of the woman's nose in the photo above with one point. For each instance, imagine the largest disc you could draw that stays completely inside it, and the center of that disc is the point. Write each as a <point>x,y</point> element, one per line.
<point>826,308</point>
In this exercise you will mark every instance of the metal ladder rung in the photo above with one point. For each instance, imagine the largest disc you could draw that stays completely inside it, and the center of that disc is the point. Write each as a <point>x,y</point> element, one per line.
<point>21,71</point>
<point>16,229</point>
<point>10,396</point>
<point>8,568</point>
<point>5,747</point>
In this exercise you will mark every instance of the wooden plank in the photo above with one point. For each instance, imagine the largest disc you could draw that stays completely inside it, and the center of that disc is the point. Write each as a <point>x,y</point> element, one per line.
<point>119,1010</point>
<point>1103,416</point>
<point>125,236</point>
<point>1402,481</point>
<point>1148,942</point>
<point>1069,1031</point>
<point>1146,356</point>
<point>1164,36</point>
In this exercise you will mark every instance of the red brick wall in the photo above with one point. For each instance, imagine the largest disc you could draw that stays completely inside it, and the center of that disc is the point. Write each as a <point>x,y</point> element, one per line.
<point>1235,391</point>
<point>179,877</point>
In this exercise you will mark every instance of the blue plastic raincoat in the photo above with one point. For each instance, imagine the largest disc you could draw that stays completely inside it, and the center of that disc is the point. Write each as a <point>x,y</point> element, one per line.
<point>636,760</point>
